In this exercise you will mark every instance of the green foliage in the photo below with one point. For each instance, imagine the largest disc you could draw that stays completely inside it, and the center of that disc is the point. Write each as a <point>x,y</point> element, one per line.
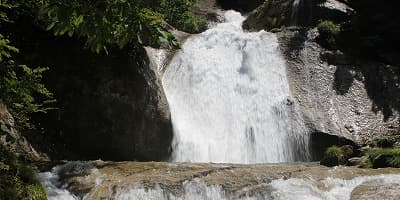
<point>17,179</point>
<point>328,32</point>
<point>120,22</point>
<point>391,156</point>
<point>5,49</point>
<point>20,86</point>
<point>179,14</point>
<point>335,155</point>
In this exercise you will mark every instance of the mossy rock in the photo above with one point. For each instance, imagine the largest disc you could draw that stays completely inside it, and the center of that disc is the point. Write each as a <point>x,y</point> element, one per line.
<point>335,155</point>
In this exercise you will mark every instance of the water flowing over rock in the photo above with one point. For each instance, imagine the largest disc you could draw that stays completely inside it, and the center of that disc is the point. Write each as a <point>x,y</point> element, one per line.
<point>230,100</point>
<point>180,181</point>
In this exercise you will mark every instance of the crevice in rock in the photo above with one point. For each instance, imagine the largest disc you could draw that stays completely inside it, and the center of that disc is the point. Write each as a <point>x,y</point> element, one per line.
<point>321,141</point>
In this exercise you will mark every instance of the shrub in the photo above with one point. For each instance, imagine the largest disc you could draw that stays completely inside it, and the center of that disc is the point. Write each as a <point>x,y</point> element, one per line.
<point>335,155</point>
<point>328,32</point>
<point>388,157</point>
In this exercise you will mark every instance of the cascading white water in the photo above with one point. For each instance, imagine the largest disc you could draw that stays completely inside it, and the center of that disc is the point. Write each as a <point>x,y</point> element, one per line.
<point>230,101</point>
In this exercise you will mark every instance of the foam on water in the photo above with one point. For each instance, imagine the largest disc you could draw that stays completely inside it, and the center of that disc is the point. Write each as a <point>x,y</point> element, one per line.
<point>54,189</point>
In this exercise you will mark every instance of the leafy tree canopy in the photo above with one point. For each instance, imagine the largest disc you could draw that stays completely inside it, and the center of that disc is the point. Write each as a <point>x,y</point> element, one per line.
<point>119,22</point>
<point>20,86</point>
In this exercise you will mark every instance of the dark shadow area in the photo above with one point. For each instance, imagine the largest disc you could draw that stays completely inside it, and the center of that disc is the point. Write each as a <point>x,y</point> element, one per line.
<point>343,80</point>
<point>107,105</point>
<point>382,84</point>
<point>321,141</point>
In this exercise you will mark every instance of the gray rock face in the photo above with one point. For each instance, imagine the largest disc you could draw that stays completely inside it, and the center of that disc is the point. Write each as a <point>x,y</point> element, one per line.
<point>347,97</point>
<point>21,146</point>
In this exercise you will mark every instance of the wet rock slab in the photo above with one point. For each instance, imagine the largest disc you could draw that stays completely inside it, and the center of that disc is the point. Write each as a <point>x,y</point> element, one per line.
<point>102,180</point>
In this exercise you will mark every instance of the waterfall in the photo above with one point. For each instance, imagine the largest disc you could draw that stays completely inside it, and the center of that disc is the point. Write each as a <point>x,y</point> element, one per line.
<point>295,12</point>
<point>230,100</point>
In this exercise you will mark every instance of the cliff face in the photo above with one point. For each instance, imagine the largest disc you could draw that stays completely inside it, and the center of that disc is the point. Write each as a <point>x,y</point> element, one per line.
<point>342,94</point>
<point>352,98</point>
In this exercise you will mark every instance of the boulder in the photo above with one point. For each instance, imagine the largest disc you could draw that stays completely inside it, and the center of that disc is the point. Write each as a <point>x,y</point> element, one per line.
<point>376,189</point>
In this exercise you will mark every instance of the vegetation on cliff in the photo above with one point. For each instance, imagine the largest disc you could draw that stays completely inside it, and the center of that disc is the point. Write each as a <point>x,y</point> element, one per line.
<point>328,32</point>
<point>381,152</point>
<point>17,179</point>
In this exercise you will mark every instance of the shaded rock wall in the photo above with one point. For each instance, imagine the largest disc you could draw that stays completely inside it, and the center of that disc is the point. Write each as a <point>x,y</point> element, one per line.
<point>110,107</point>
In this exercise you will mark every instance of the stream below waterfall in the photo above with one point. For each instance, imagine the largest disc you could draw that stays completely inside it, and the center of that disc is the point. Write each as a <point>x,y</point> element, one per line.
<point>188,181</point>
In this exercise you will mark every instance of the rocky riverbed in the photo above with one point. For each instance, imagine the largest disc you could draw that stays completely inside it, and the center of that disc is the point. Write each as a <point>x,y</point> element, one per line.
<point>153,180</point>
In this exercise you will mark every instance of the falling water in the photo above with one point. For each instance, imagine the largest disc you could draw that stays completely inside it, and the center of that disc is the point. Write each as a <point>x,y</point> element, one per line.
<point>230,100</point>
<point>295,12</point>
